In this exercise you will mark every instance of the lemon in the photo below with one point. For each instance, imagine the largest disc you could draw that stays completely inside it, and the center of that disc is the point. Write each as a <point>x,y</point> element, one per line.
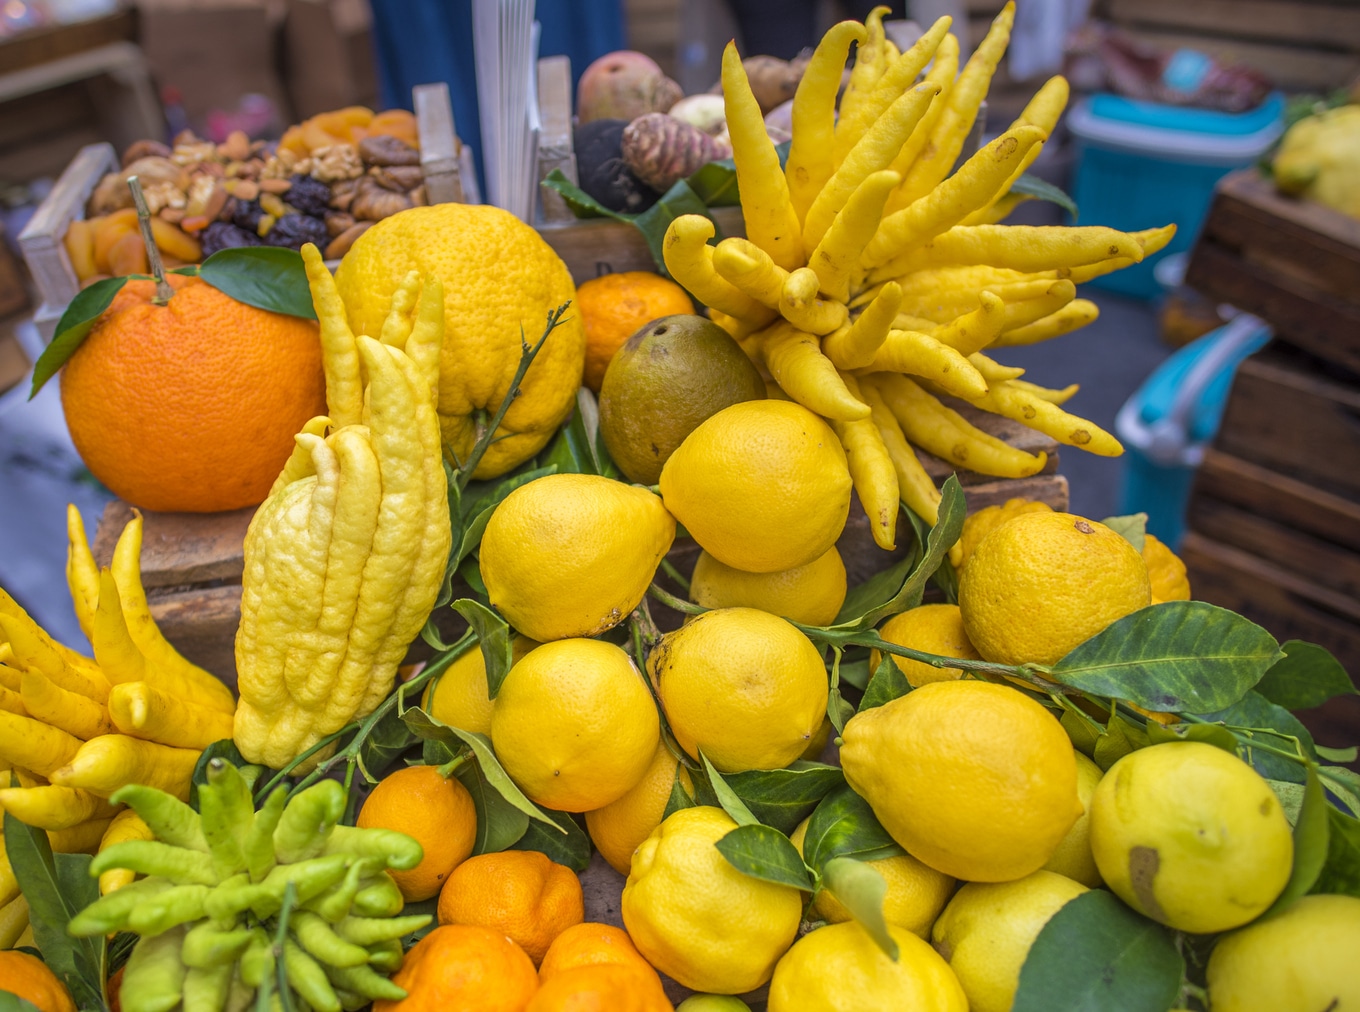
<point>712,1003</point>
<point>978,525</point>
<point>817,745</point>
<point>1191,836</point>
<point>743,686</point>
<point>810,594</point>
<point>1041,584</point>
<point>620,826</point>
<point>975,779</point>
<point>1301,959</point>
<point>839,968</point>
<point>1166,572</point>
<point>1073,856</point>
<point>693,916</point>
<point>574,725</point>
<point>572,554</point>
<point>460,696</point>
<point>763,486</point>
<point>988,928</point>
<point>933,629</point>
<point>501,279</point>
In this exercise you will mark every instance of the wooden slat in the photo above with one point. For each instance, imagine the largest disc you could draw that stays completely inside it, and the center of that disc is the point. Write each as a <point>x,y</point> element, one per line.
<point>1324,25</point>
<point>439,146</point>
<point>600,246</point>
<point>555,147</point>
<point>1288,66</point>
<point>180,549</point>
<point>201,625</point>
<point>41,239</point>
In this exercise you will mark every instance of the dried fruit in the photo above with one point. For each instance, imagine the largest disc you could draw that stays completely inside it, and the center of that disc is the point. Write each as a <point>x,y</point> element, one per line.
<point>224,235</point>
<point>310,196</point>
<point>373,201</point>
<point>247,215</point>
<point>384,149</point>
<point>293,230</point>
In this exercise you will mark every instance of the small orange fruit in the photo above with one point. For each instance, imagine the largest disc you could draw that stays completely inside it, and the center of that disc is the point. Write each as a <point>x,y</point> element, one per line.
<point>614,306</point>
<point>591,944</point>
<point>463,967</point>
<point>517,892</point>
<point>608,987</point>
<point>191,406</point>
<point>30,979</point>
<point>437,811</point>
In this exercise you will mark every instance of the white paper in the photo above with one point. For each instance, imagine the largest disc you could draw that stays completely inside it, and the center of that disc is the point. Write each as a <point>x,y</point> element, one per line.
<point>505,44</point>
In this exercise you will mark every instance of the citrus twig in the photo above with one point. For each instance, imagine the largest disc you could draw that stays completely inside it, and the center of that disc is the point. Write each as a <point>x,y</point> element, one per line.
<point>673,573</point>
<point>153,255</point>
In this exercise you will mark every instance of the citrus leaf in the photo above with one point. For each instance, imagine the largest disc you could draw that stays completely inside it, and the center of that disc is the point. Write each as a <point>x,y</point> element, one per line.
<point>1341,873</point>
<point>679,797</point>
<point>887,684</point>
<point>569,845</point>
<point>1079,730</point>
<point>73,327</point>
<point>582,204</point>
<point>1343,783</point>
<point>499,823</point>
<point>1120,738</point>
<point>1219,737</point>
<point>844,825</point>
<point>1028,185</point>
<point>493,636</point>
<point>13,1003</point>
<point>1255,711</point>
<point>1310,844</point>
<point>861,890</point>
<point>1132,528</point>
<point>727,798</point>
<point>266,277</point>
<point>1337,755</point>
<point>716,183</point>
<point>1306,676</point>
<point>1185,656</point>
<point>856,673</point>
<point>1094,955</point>
<point>765,853</point>
<point>878,589</point>
<point>1291,798</point>
<point>783,798</point>
<point>652,223</point>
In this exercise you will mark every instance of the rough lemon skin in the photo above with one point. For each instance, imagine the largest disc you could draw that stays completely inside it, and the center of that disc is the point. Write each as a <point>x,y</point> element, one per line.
<point>574,725</point>
<point>1073,856</point>
<point>1191,836</point>
<point>1302,959</point>
<point>975,779</point>
<point>810,594</point>
<point>839,968</point>
<point>572,554</point>
<point>933,629</point>
<point>743,686</point>
<point>1041,584</point>
<point>987,930</point>
<point>695,917</point>
<point>762,486</point>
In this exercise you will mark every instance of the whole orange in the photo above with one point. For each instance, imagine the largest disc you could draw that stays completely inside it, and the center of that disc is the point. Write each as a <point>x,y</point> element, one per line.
<point>437,811</point>
<point>29,978</point>
<point>591,944</point>
<point>191,406</point>
<point>518,892</point>
<point>614,306</point>
<point>463,967</point>
<point>604,987</point>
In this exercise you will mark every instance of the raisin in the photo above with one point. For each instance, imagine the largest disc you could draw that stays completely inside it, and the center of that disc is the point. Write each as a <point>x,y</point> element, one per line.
<point>224,235</point>
<point>293,230</point>
<point>310,196</point>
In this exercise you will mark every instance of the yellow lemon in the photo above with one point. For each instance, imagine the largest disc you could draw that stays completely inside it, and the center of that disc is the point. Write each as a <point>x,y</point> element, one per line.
<point>810,594</point>
<point>501,280</point>
<point>763,486</point>
<point>572,554</point>
<point>1166,572</point>
<point>460,696</point>
<point>743,686</point>
<point>1041,584</point>
<point>574,725</point>
<point>1191,836</point>
<point>978,525</point>
<point>712,1003</point>
<point>988,928</point>
<point>933,629</point>
<point>696,918</point>
<point>839,968</point>
<point>1301,959</point>
<point>1073,856</point>
<point>620,826</point>
<point>975,779</point>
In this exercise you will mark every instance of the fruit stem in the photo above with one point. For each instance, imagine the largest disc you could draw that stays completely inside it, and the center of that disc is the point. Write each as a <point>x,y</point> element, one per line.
<point>153,254</point>
<point>447,769</point>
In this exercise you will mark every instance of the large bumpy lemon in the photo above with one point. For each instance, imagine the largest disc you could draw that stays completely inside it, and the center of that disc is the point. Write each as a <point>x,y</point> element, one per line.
<point>1166,572</point>
<point>977,526</point>
<point>810,594</point>
<point>839,968</point>
<point>460,696</point>
<point>699,920</point>
<point>619,827</point>
<point>1073,857</point>
<point>501,280</point>
<point>574,724</point>
<point>932,629</point>
<point>975,779</point>
<point>743,686</point>
<point>572,554</point>
<point>1191,836</point>
<point>762,486</point>
<point>988,928</point>
<point>1040,584</point>
<point>1304,959</point>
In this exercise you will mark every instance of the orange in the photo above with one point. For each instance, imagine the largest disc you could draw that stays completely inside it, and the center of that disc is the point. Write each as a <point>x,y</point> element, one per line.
<point>614,306</point>
<point>463,967</point>
<point>591,944</point>
<point>191,406</point>
<point>29,978</point>
<point>437,811</point>
<point>602,988</point>
<point>519,893</point>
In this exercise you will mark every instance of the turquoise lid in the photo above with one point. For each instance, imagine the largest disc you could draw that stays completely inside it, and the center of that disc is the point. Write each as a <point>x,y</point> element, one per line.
<point>1117,109</point>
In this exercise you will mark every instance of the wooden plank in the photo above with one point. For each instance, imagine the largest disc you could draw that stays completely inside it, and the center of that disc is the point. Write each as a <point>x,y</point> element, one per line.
<point>439,145</point>
<point>599,246</point>
<point>555,147</point>
<point>43,45</point>
<point>1323,25</point>
<point>1289,67</point>
<point>41,239</point>
<point>201,625</point>
<point>180,549</point>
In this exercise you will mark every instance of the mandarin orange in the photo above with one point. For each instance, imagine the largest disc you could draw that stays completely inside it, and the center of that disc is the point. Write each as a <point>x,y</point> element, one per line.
<point>520,893</point>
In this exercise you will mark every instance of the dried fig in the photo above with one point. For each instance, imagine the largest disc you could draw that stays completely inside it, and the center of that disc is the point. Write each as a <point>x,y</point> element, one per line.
<point>342,193</point>
<point>384,149</point>
<point>340,245</point>
<point>338,221</point>
<point>373,202</point>
<point>401,178</point>
<point>144,149</point>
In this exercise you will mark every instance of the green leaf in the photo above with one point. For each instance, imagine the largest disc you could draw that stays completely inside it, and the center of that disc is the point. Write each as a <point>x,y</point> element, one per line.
<point>887,684</point>
<point>1306,676</point>
<point>1219,737</point>
<point>569,845</point>
<point>1095,955</point>
<point>1337,755</point>
<point>1343,783</point>
<point>856,673</point>
<point>582,204</point>
<point>494,637</point>
<point>386,742</point>
<point>1310,844</point>
<point>1081,732</point>
<point>1341,872</point>
<point>765,853</point>
<point>1029,185</point>
<point>499,823</point>
<point>1120,738</point>
<point>727,798</point>
<point>1185,656</point>
<point>861,890</point>
<point>877,590</point>
<point>844,825</point>
<point>716,184</point>
<point>1132,528</point>
<point>266,277</point>
<point>1255,711</point>
<point>1291,798</point>
<point>652,223</point>
<point>783,798</point>
<point>73,327</point>
<point>13,1003</point>
<point>57,887</point>
<point>679,797</point>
